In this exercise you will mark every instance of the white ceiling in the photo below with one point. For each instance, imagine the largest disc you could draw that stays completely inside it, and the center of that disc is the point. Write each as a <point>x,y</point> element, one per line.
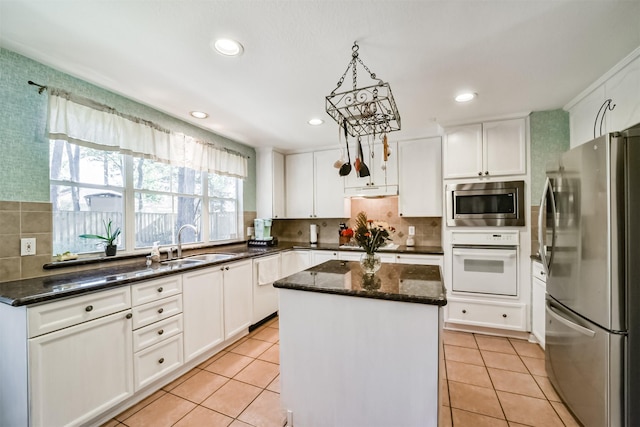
<point>518,55</point>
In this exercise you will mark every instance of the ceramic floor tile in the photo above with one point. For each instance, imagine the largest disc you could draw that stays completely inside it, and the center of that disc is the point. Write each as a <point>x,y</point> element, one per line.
<point>264,411</point>
<point>468,374</point>
<point>461,339</point>
<point>504,361</point>
<point>271,335</point>
<point>235,344</point>
<point>564,414</point>
<point>229,364</point>
<point>111,423</point>
<point>499,344</point>
<point>251,347</point>
<point>515,382</point>
<point>444,393</point>
<point>535,365</point>
<point>272,354</point>
<point>258,373</point>
<point>175,383</point>
<point>200,386</point>
<point>138,406</point>
<point>512,424</point>
<point>463,354</point>
<point>469,419</point>
<point>238,423</point>
<point>529,410</point>
<point>529,349</point>
<point>547,388</point>
<point>202,416</point>
<point>444,419</point>
<point>232,398</point>
<point>164,411</point>
<point>275,385</point>
<point>212,359</point>
<point>275,323</point>
<point>480,400</point>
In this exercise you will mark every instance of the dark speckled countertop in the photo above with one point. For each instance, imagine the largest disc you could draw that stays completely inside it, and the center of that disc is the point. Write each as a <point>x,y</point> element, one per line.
<point>48,288</point>
<point>396,282</point>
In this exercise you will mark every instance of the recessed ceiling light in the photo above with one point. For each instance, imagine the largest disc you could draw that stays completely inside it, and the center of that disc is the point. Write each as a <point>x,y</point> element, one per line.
<point>315,122</point>
<point>199,114</point>
<point>466,96</point>
<point>227,47</point>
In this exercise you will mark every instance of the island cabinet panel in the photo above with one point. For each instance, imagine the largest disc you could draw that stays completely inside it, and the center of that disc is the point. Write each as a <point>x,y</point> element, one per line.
<point>371,362</point>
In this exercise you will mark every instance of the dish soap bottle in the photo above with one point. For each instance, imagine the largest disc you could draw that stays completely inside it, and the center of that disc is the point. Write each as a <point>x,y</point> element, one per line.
<point>155,252</point>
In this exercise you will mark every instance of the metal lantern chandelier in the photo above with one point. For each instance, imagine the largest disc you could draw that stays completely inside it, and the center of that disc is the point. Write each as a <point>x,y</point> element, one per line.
<point>363,111</point>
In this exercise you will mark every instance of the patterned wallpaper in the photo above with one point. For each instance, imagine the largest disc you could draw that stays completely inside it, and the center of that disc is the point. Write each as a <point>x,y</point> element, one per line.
<point>24,147</point>
<point>549,138</point>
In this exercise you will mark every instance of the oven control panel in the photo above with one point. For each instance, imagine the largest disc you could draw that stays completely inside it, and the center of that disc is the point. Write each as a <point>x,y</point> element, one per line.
<point>504,238</point>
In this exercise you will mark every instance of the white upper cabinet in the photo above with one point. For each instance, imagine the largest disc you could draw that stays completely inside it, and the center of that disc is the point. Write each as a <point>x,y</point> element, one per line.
<point>314,188</point>
<point>270,184</point>
<point>582,118</point>
<point>420,178</point>
<point>624,90</point>
<point>383,178</point>
<point>483,150</point>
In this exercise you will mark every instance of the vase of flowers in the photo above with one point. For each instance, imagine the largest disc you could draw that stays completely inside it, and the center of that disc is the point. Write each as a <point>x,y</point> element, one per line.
<point>370,235</point>
<point>109,238</point>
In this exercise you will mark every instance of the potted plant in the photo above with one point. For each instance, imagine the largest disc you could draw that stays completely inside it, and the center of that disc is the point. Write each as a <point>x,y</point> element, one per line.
<point>109,238</point>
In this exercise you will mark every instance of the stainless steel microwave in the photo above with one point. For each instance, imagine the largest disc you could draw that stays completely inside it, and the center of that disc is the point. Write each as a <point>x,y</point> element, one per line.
<point>482,204</point>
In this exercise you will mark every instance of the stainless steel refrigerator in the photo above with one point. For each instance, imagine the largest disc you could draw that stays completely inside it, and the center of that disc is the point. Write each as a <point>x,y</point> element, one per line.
<point>590,249</point>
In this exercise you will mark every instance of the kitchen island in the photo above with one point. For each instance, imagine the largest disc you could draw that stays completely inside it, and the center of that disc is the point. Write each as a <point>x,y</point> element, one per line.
<point>359,350</point>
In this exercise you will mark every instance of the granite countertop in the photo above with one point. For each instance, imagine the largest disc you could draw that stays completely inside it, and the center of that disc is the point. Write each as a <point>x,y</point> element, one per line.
<point>48,288</point>
<point>395,282</point>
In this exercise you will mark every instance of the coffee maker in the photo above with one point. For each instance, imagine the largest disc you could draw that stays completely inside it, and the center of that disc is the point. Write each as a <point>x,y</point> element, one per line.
<point>262,229</point>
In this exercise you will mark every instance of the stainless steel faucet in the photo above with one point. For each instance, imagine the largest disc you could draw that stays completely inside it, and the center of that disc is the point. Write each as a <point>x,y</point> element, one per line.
<point>193,227</point>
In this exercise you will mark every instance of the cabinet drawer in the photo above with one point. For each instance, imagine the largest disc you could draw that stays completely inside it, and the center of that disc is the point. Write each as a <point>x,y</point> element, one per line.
<point>156,361</point>
<point>538,271</point>
<point>420,259</point>
<point>147,314</point>
<point>156,332</point>
<point>143,293</point>
<point>487,314</point>
<point>50,317</point>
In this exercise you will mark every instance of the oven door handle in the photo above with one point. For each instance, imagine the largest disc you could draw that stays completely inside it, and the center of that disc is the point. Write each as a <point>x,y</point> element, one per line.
<point>548,189</point>
<point>485,254</point>
<point>560,318</point>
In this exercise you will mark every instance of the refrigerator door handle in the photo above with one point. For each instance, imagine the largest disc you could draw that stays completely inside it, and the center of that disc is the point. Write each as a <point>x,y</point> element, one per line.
<point>560,318</point>
<point>548,189</point>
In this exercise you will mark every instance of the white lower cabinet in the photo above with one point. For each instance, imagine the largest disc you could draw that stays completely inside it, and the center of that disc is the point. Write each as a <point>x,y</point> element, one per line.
<point>490,314</point>
<point>78,372</point>
<point>420,259</point>
<point>538,296</point>
<point>318,257</point>
<point>202,305</point>
<point>158,360</point>
<point>238,297</point>
<point>266,270</point>
<point>292,262</point>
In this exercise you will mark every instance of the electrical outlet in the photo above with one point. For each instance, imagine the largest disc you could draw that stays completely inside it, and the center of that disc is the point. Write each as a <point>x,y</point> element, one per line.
<point>412,230</point>
<point>28,246</point>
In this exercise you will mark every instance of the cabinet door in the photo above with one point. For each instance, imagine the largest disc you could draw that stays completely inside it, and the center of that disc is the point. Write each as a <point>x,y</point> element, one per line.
<point>624,90</point>
<point>81,371</point>
<point>278,186</point>
<point>202,305</point>
<point>295,261</point>
<point>583,115</point>
<point>238,297</point>
<point>266,270</point>
<point>318,257</point>
<point>420,259</point>
<point>463,152</point>
<point>378,177</point>
<point>538,294</point>
<point>504,147</point>
<point>420,178</point>
<point>329,201</point>
<point>299,185</point>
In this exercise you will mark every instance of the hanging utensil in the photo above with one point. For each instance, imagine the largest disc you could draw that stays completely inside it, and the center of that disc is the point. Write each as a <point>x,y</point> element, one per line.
<point>346,168</point>
<point>364,169</point>
<point>338,163</point>
<point>385,152</point>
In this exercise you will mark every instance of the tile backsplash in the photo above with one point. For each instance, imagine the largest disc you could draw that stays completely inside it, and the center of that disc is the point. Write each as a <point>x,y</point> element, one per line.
<point>21,220</point>
<point>428,229</point>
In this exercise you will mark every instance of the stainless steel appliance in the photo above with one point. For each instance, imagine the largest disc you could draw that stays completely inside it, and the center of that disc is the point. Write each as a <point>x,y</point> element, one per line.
<point>485,262</point>
<point>483,204</point>
<point>589,247</point>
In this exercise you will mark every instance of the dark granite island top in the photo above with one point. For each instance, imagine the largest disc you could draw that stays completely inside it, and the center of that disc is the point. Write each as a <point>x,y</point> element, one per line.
<point>395,282</point>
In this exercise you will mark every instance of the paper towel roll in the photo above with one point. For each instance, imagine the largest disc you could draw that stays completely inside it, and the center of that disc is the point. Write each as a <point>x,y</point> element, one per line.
<point>313,233</point>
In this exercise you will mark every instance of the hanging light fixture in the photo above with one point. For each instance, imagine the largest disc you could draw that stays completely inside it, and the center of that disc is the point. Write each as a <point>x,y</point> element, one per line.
<point>369,110</point>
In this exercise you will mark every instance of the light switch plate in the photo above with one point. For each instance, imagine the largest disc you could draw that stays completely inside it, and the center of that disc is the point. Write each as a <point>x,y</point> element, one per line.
<point>28,246</point>
<point>412,230</point>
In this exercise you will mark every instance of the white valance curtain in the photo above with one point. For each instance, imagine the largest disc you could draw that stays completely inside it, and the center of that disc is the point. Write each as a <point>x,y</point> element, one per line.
<point>84,122</point>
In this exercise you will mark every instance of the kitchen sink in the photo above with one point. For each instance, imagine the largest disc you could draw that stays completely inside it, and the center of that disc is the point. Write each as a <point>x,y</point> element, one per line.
<point>210,257</point>
<point>183,262</point>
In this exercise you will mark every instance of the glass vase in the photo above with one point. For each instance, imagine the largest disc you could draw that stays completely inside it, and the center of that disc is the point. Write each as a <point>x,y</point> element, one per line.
<point>370,262</point>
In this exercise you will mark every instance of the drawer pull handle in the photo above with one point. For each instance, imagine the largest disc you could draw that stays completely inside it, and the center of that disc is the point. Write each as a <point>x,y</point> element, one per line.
<point>504,315</point>
<point>226,268</point>
<point>464,311</point>
<point>160,310</point>
<point>129,316</point>
<point>161,360</point>
<point>160,289</point>
<point>161,331</point>
<point>88,308</point>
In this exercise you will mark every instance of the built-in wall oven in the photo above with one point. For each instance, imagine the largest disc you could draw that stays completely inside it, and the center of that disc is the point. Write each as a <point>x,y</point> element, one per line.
<point>485,262</point>
<point>486,204</point>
